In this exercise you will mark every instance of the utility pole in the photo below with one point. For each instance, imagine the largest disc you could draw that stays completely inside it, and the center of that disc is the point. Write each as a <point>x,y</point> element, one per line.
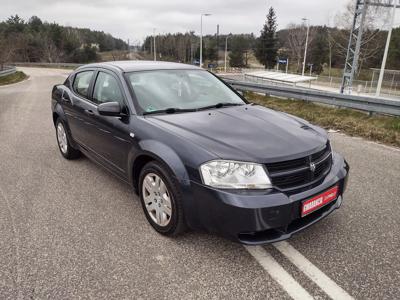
<point>305,48</point>
<point>217,43</point>
<point>191,52</point>
<point>287,64</point>
<point>226,50</point>
<point>382,72</point>
<point>201,38</point>
<point>154,42</point>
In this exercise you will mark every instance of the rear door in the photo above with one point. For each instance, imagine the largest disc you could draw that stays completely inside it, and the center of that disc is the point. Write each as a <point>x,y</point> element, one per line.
<point>79,108</point>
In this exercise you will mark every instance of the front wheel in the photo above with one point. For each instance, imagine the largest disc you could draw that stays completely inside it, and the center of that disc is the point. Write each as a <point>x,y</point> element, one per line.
<point>64,143</point>
<point>161,199</point>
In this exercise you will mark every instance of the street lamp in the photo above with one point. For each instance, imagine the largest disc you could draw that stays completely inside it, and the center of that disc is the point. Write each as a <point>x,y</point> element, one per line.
<point>226,49</point>
<point>305,48</point>
<point>201,38</point>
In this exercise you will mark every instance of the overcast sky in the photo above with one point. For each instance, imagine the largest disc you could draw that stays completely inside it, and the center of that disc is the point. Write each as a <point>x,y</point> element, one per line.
<point>134,19</point>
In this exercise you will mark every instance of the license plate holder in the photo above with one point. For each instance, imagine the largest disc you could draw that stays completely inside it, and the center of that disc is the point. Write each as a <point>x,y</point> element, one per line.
<point>316,202</point>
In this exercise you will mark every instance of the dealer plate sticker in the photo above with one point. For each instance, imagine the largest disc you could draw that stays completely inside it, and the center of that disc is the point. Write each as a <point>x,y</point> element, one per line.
<point>310,205</point>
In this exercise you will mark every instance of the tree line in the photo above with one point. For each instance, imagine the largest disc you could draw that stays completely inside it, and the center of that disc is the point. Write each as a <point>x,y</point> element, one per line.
<point>327,46</point>
<point>38,41</point>
<point>185,47</point>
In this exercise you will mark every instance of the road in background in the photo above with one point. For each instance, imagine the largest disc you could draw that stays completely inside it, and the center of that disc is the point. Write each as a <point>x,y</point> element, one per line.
<point>69,229</point>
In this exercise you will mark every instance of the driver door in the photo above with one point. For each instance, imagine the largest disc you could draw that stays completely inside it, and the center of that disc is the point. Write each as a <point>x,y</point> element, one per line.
<point>111,141</point>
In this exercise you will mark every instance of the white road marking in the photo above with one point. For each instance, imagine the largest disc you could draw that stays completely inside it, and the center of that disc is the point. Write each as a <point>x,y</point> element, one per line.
<point>324,282</point>
<point>275,270</point>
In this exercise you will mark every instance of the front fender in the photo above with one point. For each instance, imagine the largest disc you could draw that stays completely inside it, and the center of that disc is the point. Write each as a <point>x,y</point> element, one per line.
<point>173,162</point>
<point>165,154</point>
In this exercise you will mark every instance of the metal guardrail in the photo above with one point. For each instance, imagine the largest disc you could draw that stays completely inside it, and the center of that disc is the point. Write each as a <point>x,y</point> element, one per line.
<point>47,65</point>
<point>369,104</point>
<point>7,71</point>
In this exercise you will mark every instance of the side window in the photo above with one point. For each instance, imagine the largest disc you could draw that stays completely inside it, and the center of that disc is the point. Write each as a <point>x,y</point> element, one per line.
<point>106,89</point>
<point>82,82</point>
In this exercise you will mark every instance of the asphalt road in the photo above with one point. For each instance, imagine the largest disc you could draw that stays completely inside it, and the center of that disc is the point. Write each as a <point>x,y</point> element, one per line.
<point>69,229</point>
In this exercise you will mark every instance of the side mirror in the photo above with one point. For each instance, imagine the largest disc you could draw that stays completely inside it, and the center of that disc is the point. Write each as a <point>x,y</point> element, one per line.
<point>112,109</point>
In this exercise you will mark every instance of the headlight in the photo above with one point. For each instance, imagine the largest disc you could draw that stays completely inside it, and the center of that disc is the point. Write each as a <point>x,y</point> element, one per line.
<point>229,174</point>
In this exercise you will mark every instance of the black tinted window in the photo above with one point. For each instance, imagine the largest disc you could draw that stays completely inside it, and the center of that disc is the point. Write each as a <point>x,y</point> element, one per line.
<point>82,82</point>
<point>107,89</point>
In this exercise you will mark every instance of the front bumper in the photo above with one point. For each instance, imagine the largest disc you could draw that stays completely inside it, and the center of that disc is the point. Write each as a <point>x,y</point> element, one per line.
<point>258,217</point>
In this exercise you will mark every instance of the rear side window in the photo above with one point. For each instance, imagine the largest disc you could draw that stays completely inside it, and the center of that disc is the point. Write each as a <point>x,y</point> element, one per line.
<point>107,89</point>
<point>82,82</point>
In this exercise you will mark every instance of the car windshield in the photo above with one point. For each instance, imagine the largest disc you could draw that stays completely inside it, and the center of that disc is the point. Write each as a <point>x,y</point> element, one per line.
<point>180,90</point>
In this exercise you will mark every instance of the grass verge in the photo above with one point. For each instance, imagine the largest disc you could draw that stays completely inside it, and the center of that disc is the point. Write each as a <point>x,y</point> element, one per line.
<point>383,129</point>
<point>13,78</point>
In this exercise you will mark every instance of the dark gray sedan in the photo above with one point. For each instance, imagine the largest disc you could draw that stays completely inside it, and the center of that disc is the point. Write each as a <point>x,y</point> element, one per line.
<point>198,154</point>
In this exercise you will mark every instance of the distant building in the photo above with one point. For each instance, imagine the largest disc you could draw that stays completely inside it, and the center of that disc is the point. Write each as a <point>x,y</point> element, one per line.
<point>91,45</point>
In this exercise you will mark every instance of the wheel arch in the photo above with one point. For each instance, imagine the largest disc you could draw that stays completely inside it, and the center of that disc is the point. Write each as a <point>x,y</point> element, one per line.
<point>152,150</point>
<point>58,112</point>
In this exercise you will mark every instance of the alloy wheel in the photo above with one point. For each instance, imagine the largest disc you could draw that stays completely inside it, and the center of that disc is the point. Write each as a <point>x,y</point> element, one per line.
<point>157,199</point>
<point>62,138</point>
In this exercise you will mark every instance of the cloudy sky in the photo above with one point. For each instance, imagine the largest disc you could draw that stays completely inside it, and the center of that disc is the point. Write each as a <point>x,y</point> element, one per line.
<point>134,19</point>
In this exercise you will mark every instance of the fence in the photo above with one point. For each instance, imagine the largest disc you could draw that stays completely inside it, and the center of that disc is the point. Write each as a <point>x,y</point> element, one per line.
<point>48,65</point>
<point>390,85</point>
<point>7,70</point>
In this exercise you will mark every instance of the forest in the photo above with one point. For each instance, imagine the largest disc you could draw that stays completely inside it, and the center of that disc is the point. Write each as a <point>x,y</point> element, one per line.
<point>37,41</point>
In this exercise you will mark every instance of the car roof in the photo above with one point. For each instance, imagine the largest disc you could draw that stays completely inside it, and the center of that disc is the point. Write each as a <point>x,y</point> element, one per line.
<point>141,65</point>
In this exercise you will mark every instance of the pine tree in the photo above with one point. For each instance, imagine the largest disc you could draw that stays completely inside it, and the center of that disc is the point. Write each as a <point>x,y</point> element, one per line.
<point>238,47</point>
<point>267,49</point>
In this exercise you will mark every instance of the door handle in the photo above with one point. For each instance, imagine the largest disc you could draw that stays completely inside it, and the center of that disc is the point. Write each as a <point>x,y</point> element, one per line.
<point>89,112</point>
<point>64,99</point>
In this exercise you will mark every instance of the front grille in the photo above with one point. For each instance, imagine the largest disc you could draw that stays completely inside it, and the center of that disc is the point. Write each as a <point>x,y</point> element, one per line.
<point>298,173</point>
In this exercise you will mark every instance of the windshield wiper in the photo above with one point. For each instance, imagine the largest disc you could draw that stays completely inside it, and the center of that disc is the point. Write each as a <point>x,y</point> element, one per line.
<point>220,104</point>
<point>170,110</point>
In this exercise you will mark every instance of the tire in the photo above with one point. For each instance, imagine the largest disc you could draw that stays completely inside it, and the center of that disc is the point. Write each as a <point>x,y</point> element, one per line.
<point>174,224</point>
<point>63,141</point>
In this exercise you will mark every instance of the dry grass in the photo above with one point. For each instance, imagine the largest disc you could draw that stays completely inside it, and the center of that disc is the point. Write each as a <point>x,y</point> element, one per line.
<point>383,129</point>
<point>13,78</point>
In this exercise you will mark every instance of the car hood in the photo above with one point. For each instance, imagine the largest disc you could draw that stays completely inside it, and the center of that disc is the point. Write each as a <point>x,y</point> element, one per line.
<point>248,132</point>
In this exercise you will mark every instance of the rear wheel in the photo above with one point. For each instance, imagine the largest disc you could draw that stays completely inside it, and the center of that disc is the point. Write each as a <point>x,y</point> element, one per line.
<point>63,141</point>
<point>161,199</point>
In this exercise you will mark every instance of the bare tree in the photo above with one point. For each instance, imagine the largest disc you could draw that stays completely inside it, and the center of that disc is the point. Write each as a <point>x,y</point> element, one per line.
<point>50,53</point>
<point>7,49</point>
<point>120,55</point>
<point>331,46</point>
<point>295,42</point>
<point>376,19</point>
